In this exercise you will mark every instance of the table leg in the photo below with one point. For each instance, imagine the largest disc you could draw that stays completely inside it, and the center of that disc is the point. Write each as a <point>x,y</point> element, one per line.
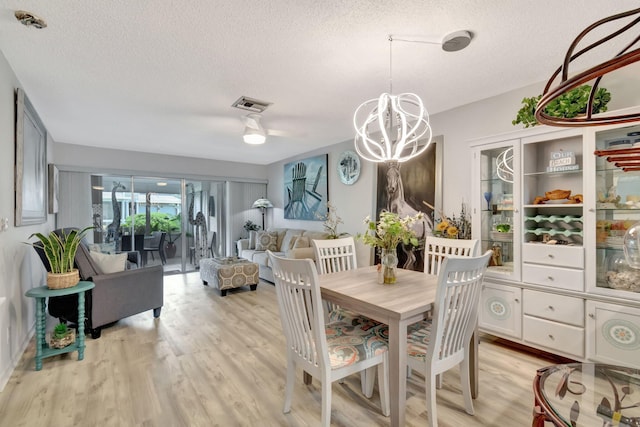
<point>40,328</point>
<point>81,326</point>
<point>474,365</point>
<point>398,371</point>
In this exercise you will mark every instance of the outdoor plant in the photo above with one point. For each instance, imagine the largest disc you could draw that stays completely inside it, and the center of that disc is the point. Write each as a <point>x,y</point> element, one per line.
<point>60,250</point>
<point>158,221</point>
<point>568,105</point>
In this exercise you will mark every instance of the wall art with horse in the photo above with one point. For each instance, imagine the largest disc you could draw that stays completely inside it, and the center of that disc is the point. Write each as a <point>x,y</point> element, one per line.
<point>403,187</point>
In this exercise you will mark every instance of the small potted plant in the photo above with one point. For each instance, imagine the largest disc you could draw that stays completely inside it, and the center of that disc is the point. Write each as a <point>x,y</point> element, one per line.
<point>62,336</point>
<point>60,251</point>
<point>250,226</point>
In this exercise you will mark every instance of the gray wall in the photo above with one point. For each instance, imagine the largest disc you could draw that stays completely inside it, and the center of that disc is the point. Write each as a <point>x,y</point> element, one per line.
<point>19,271</point>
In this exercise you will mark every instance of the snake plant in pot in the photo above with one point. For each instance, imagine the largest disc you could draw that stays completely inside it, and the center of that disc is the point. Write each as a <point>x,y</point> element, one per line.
<point>60,250</point>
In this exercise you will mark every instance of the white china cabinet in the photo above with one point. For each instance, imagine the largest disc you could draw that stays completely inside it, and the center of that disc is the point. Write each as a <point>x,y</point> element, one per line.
<point>563,284</point>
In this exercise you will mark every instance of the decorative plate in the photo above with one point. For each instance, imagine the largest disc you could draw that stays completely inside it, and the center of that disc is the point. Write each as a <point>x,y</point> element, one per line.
<point>348,167</point>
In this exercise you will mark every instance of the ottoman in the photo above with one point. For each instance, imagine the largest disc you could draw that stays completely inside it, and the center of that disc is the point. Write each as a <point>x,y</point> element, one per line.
<point>229,273</point>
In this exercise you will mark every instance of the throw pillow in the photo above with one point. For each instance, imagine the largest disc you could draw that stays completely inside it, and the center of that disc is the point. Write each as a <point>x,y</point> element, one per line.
<point>109,263</point>
<point>253,237</point>
<point>267,241</point>
<point>302,242</point>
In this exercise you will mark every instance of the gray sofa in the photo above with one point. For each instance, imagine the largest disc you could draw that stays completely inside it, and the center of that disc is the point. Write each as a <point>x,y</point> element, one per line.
<point>287,242</point>
<point>115,296</point>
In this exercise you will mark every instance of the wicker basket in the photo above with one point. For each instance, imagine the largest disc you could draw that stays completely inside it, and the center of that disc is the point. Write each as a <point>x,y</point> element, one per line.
<point>68,339</point>
<point>63,280</point>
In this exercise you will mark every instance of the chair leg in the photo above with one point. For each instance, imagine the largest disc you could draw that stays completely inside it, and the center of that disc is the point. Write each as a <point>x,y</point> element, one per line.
<point>439,380</point>
<point>466,384</point>
<point>367,380</point>
<point>326,402</point>
<point>288,386</point>
<point>383,386</point>
<point>430,389</point>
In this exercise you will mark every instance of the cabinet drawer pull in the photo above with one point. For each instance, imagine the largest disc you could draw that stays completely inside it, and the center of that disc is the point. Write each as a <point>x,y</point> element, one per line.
<point>550,278</point>
<point>551,337</point>
<point>551,308</point>
<point>516,300</point>
<point>591,315</point>
<point>550,256</point>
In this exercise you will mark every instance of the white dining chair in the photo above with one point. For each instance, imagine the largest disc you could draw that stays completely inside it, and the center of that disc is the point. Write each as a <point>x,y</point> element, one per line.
<point>327,352</point>
<point>332,256</point>
<point>445,341</point>
<point>437,249</point>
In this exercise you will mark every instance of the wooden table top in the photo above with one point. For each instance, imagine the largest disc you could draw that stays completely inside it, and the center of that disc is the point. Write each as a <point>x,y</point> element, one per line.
<point>412,294</point>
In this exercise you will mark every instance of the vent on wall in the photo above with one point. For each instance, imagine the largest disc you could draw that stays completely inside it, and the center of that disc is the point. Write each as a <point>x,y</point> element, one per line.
<point>251,104</point>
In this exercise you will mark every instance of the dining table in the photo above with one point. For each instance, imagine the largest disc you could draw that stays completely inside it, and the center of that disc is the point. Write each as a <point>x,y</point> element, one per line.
<point>398,305</point>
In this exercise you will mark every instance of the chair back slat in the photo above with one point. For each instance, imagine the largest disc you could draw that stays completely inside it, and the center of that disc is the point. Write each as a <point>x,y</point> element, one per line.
<point>456,306</point>
<point>438,248</point>
<point>298,293</point>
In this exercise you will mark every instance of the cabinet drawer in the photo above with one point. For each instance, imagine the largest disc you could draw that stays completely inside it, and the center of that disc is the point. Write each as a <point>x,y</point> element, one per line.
<point>555,336</point>
<point>560,256</point>
<point>559,308</point>
<point>556,277</point>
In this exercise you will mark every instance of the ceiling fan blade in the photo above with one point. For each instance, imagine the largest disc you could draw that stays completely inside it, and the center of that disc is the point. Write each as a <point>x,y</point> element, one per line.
<point>253,121</point>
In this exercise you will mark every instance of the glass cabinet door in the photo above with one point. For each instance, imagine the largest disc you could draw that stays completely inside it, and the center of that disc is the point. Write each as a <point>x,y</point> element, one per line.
<point>617,207</point>
<point>496,200</point>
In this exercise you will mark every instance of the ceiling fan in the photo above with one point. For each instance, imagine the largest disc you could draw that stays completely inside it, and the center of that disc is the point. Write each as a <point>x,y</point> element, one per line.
<point>255,133</point>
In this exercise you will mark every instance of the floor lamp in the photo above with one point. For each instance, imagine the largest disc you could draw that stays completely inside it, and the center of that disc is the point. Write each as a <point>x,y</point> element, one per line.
<point>262,204</point>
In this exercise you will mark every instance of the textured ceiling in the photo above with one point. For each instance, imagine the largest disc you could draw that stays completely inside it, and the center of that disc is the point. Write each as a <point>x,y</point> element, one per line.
<point>160,76</point>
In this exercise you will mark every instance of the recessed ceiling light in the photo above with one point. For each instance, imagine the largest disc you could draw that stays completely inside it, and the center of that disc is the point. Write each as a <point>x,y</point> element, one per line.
<point>30,20</point>
<point>161,184</point>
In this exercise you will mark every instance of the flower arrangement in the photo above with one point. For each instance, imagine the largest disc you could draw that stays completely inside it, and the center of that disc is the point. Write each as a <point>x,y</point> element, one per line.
<point>331,222</point>
<point>390,231</point>
<point>453,227</point>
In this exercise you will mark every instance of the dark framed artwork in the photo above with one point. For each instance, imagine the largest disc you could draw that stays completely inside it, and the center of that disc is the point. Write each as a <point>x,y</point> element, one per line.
<point>30,165</point>
<point>53,188</point>
<point>306,189</point>
<point>411,187</point>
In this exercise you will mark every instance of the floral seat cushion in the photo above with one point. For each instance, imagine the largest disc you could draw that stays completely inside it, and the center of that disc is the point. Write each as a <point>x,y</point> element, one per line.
<point>349,343</point>
<point>418,339</point>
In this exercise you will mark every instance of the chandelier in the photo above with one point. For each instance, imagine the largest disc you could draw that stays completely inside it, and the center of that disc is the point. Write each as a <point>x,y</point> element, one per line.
<point>395,128</point>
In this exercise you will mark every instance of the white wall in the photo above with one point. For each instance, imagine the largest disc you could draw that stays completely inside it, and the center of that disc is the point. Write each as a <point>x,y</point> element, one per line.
<point>19,271</point>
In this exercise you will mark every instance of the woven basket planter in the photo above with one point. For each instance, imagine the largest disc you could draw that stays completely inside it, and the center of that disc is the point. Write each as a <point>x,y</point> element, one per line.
<point>63,280</point>
<point>68,339</point>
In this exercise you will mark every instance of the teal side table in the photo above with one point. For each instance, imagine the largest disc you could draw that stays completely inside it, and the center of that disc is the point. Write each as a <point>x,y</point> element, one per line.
<point>41,294</point>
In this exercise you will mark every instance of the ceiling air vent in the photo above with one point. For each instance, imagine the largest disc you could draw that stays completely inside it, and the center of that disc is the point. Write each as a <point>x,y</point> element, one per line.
<point>250,104</point>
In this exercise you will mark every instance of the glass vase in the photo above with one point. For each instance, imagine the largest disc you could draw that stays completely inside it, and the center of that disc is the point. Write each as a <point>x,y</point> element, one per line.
<point>389,261</point>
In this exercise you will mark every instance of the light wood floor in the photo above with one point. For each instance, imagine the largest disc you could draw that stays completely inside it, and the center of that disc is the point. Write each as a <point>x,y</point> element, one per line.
<point>212,361</point>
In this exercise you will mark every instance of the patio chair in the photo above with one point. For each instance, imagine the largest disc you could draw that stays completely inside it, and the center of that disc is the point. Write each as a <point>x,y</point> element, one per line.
<point>319,349</point>
<point>445,341</point>
<point>156,244</point>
